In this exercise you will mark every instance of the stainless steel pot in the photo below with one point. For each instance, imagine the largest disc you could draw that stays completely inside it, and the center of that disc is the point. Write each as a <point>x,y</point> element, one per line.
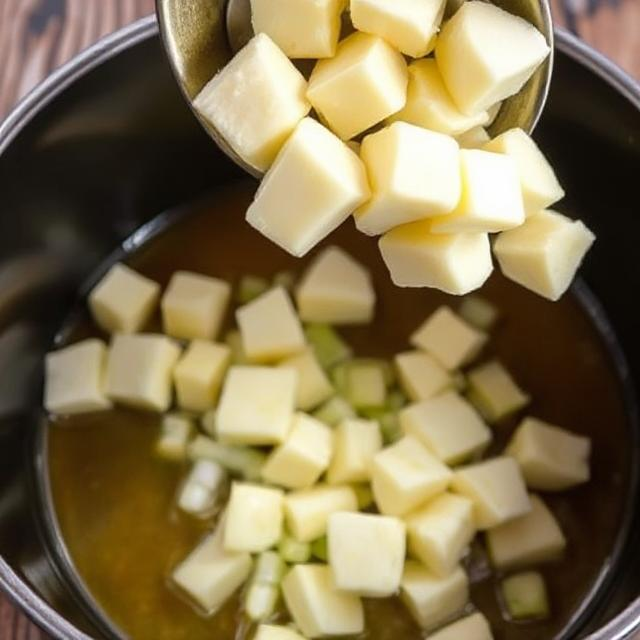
<point>106,143</point>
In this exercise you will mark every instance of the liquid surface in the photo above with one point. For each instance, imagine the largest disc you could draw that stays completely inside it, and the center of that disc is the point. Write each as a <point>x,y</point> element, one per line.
<point>114,499</point>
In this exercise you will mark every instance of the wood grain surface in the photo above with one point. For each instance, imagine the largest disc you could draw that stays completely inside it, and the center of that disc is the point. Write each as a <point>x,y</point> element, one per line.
<point>36,36</point>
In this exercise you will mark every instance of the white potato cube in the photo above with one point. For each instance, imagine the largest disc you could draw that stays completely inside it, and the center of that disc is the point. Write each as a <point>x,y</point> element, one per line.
<point>303,457</point>
<point>448,426</point>
<point>330,183</point>
<point>307,512</point>
<point>441,531</point>
<point>336,289</point>
<point>540,187</point>
<point>455,264</point>
<point>551,458</point>
<point>366,553</point>
<point>405,475</point>
<point>317,607</point>
<point>124,300</point>
<point>356,442</point>
<point>75,378</point>
<point>364,83</point>
<point>176,432</point>
<point>545,253</point>
<point>301,28</point>
<point>313,384</point>
<point>254,518</point>
<point>256,405</point>
<point>194,306</point>
<point>528,540</point>
<point>256,101</point>
<point>486,55</point>
<point>496,488</point>
<point>433,600</point>
<point>475,138</point>
<point>421,377</point>
<point>449,339</point>
<point>473,627</point>
<point>414,174</point>
<point>274,632</point>
<point>140,370</point>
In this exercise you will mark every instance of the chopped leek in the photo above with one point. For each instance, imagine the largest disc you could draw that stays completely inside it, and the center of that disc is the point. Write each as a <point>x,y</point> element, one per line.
<point>525,596</point>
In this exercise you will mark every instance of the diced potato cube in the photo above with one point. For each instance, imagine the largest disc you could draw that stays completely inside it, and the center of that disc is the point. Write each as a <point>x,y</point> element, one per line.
<point>199,373</point>
<point>330,182</point>
<point>256,405</point>
<point>273,632</point>
<point>455,264</point>
<point>314,386</point>
<point>478,312</point>
<point>496,488</point>
<point>366,553</point>
<point>202,488</point>
<point>307,512</point>
<point>421,377</point>
<point>365,386</point>
<point>254,518</point>
<point>317,607</point>
<point>176,432</point>
<point>260,601</point>
<point>486,55</point>
<point>336,289</point>
<point>449,339</point>
<point>540,187</point>
<point>448,426</point>
<point>75,378</point>
<point>140,370</point>
<point>525,596</point>
<point>433,600</point>
<point>440,532</point>
<point>301,28</point>
<point>356,442</point>
<point>545,253</point>
<point>256,101</point>
<point>491,196</point>
<point>475,138</point>
<point>551,458</point>
<point>414,174</point>
<point>194,306</point>
<point>303,457</point>
<point>473,627</point>
<point>124,300</point>
<point>408,25</point>
<point>364,83</point>
<point>405,475</point>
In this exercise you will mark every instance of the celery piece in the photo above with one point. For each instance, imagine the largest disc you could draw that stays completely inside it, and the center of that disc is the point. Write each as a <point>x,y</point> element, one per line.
<point>478,312</point>
<point>334,411</point>
<point>329,347</point>
<point>339,377</point>
<point>250,287</point>
<point>364,494</point>
<point>233,339</point>
<point>293,551</point>
<point>285,279</point>
<point>208,422</point>
<point>242,461</point>
<point>525,596</point>
<point>388,372</point>
<point>269,569</point>
<point>260,601</point>
<point>388,421</point>
<point>396,400</point>
<point>202,488</point>
<point>459,381</point>
<point>319,549</point>
<point>365,386</point>
<point>175,433</point>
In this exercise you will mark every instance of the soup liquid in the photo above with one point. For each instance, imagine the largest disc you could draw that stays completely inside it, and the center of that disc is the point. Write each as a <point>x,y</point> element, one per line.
<point>114,499</point>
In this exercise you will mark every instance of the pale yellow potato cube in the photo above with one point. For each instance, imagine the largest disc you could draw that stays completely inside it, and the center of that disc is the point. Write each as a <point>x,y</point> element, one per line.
<point>140,370</point>
<point>301,28</point>
<point>475,138</point>
<point>366,553</point>
<point>414,174</point>
<point>448,426</point>
<point>545,253</point>
<point>528,540</point>
<point>330,183</point>
<point>455,263</point>
<point>405,475</point>
<point>336,289</point>
<point>270,327</point>
<point>194,306</point>
<point>317,607</point>
<point>449,339</point>
<point>314,386</point>
<point>176,432</point>
<point>356,442</point>
<point>440,532</point>
<point>496,488</point>
<point>307,512</point>
<point>486,55</point>
<point>540,187</point>
<point>303,457</point>
<point>75,378</point>
<point>408,25</point>
<point>363,84</point>
<point>430,599</point>
<point>199,373</point>
<point>491,198</point>
<point>421,376</point>
<point>275,632</point>
<point>473,627</point>
<point>256,101</point>
<point>254,518</point>
<point>124,300</point>
<point>551,458</point>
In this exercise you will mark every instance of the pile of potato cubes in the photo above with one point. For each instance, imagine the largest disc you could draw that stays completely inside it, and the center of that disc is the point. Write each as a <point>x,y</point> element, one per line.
<point>328,478</point>
<point>427,177</point>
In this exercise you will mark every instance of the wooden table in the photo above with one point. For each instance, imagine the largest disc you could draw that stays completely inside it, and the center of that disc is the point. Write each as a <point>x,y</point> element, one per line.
<point>36,36</point>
